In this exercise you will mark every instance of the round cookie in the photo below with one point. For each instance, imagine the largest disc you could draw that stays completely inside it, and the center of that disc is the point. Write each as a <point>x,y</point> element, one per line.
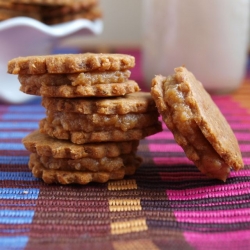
<point>95,122</point>
<point>81,137</point>
<point>70,63</point>
<point>138,102</point>
<point>197,123</point>
<point>77,79</point>
<point>67,177</point>
<point>44,145</point>
<point>68,91</point>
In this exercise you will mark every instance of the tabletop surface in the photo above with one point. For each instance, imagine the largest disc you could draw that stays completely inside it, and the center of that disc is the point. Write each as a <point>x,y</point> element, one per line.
<point>167,204</point>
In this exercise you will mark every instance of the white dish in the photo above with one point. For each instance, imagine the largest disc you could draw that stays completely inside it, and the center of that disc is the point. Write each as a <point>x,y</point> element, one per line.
<point>23,36</point>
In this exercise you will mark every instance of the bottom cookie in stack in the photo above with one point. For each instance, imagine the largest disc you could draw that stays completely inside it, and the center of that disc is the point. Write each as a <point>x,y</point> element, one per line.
<point>60,161</point>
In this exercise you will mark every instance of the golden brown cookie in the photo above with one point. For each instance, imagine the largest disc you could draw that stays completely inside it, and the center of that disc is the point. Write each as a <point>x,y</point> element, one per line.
<point>44,145</point>
<point>9,13</point>
<point>197,123</point>
<point>91,13</point>
<point>67,177</point>
<point>82,79</point>
<point>80,137</point>
<point>138,102</point>
<point>105,164</point>
<point>51,2</point>
<point>70,63</point>
<point>96,122</point>
<point>67,91</point>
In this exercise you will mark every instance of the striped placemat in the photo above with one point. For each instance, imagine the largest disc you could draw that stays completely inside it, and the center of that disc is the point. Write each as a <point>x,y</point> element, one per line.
<point>167,204</point>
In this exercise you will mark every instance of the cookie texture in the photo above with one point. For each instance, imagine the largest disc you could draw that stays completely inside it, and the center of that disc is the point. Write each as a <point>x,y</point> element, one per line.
<point>76,79</point>
<point>138,102</point>
<point>70,63</point>
<point>68,177</point>
<point>107,164</point>
<point>80,137</point>
<point>96,122</point>
<point>197,123</point>
<point>67,91</point>
<point>44,145</point>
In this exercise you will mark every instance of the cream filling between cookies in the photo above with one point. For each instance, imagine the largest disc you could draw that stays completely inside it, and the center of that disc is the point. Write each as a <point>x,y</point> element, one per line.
<point>188,134</point>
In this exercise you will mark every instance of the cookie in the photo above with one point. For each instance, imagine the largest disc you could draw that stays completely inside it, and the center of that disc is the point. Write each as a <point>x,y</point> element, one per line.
<point>105,164</point>
<point>67,91</point>
<point>8,13</point>
<point>66,8</point>
<point>50,2</point>
<point>82,79</point>
<point>197,123</point>
<point>70,63</point>
<point>44,145</point>
<point>138,102</point>
<point>97,122</point>
<point>80,137</point>
<point>90,14</point>
<point>68,177</point>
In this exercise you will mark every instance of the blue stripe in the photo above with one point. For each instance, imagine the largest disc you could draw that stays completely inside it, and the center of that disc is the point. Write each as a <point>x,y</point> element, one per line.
<point>23,116</point>
<point>14,159</point>
<point>16,216</point>
<point>29,108</point>
<point>17,176</point>
<point>19,193</point>
<point>13,243</point>
<point>13,135</point>
<point>11,146</point>
<point>19,125</point>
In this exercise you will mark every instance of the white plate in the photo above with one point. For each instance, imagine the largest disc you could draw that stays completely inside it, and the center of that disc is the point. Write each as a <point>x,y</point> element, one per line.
<point>23,36</point>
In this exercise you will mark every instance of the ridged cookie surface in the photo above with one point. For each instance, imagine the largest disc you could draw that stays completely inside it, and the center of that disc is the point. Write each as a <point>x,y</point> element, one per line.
<point>70,63</point>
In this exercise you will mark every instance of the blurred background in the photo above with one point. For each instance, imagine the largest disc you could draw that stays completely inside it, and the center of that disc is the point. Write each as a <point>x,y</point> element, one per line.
<point>122,27</point>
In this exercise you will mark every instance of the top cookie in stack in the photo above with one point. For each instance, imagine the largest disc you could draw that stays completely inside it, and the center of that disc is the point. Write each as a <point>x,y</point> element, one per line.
<point>51,11</point>
<point>91,105</point>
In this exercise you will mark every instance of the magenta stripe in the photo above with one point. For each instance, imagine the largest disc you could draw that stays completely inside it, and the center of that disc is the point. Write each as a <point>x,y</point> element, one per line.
<point>169,147</point>
<point>242,136</point>
<point>162,135</point>
<point>225,216</point>
<point>240,126</point>
<point>183,160</point>
<point>226,240</point>
<point>209,192</point>
<point>174,147</point>
<point>242,172</point>
<point>177,176</point>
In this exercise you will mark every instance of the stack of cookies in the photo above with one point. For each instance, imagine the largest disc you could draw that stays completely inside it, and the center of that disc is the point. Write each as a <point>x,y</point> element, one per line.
<point>51,11</point>
<point>95,118</point>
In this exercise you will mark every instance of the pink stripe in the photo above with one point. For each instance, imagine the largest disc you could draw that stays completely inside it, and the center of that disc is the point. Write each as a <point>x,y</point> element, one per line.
<point>161,135</point>
<point>183,160</point>
<point>240,126</point>
<point>242,136</point>
<point>243,172</point>
<point>225,216</point>
<point>209,192</point>
<point>226,240</point>
<point>197,175</point>
<point>170,147</point>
